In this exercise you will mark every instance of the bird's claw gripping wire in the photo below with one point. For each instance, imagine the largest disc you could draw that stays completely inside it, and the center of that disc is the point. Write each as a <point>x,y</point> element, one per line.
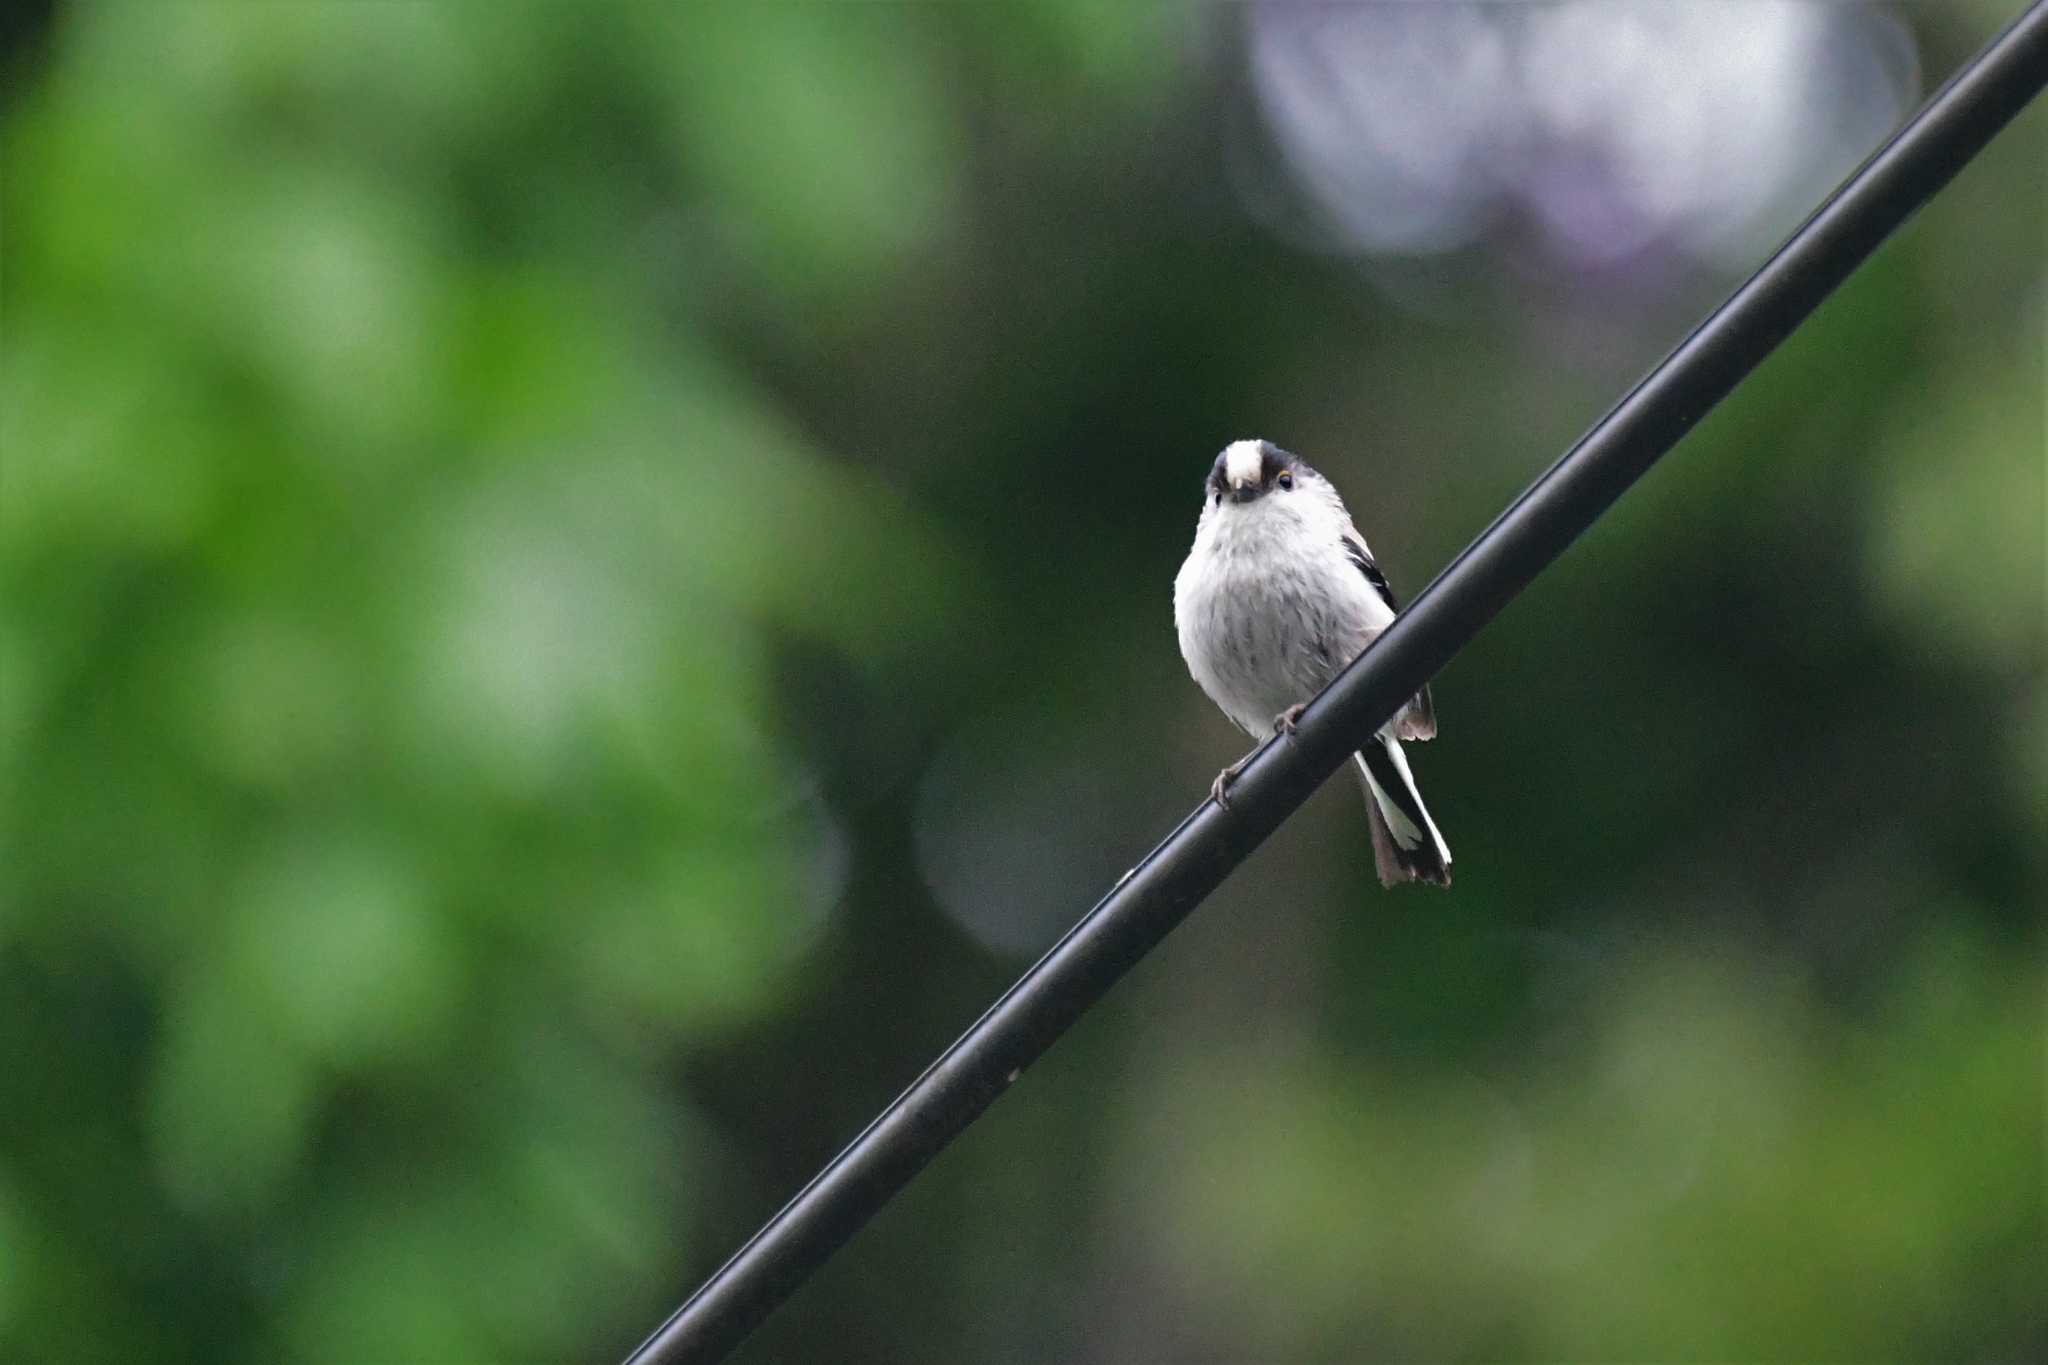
<point>1283,724</point>
<point>1219,790</point>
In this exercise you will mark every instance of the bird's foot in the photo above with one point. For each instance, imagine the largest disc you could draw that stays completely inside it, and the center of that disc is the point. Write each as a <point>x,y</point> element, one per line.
<point>1284,723</point>
<point>1219,790</point>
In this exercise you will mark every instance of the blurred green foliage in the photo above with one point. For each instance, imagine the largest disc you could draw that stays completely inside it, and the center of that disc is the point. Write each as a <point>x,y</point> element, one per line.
<point>504,509</point>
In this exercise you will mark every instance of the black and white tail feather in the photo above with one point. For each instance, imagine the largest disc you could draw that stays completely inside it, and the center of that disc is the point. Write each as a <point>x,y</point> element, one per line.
<point>1406,844</point>
<point>1278,594</point>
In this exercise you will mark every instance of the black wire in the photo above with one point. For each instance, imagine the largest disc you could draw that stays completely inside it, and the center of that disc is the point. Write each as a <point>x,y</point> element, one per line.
<point>1207,846</point>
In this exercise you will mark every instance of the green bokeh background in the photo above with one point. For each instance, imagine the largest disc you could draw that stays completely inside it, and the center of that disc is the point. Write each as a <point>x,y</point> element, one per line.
<point>580,585</point>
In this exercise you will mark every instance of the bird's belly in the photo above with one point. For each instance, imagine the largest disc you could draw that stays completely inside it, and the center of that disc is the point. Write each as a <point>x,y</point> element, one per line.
<point>1263,639</point>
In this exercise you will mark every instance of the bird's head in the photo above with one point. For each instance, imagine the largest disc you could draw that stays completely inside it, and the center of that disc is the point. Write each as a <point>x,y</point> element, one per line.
<point>1249,470</point>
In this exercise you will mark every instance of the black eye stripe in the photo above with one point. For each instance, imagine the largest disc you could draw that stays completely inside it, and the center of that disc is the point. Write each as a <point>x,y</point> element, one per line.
<point>1273,462</point>
<point>1278,468</point>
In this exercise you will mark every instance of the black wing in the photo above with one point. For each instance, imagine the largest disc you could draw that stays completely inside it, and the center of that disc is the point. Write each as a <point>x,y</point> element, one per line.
<point>1418,720</point>
<point>1354,547</point>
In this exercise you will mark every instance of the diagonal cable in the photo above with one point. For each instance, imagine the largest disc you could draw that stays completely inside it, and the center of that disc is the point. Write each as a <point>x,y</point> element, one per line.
<point>1950,129</point>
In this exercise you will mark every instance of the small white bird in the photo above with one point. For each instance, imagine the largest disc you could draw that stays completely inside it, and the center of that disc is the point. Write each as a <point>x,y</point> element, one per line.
<point>1277,595</point>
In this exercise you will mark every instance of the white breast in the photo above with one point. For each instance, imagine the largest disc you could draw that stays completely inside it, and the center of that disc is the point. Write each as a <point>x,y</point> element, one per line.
<point>1269,607</point>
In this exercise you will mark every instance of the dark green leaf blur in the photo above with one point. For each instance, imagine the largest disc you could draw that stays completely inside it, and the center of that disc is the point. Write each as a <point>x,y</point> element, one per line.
<point>582,585</point>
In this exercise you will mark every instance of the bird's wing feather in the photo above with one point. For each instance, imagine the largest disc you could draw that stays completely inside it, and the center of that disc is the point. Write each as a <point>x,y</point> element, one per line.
<point>1418,718</point>
<point>1354,548</point>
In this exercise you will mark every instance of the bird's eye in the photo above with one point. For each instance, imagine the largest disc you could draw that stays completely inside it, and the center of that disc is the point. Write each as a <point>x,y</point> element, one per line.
<point>1286,479</point>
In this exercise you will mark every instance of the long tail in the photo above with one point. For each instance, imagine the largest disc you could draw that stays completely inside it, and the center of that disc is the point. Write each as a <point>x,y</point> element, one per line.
<point>1405,842</point>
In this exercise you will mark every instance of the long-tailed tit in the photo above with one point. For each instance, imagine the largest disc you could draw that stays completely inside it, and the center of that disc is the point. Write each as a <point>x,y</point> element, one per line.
<point>1277,595</point>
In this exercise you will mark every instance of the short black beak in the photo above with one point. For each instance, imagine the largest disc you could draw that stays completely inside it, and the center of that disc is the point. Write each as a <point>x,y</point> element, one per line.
<point>1244,492</point>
